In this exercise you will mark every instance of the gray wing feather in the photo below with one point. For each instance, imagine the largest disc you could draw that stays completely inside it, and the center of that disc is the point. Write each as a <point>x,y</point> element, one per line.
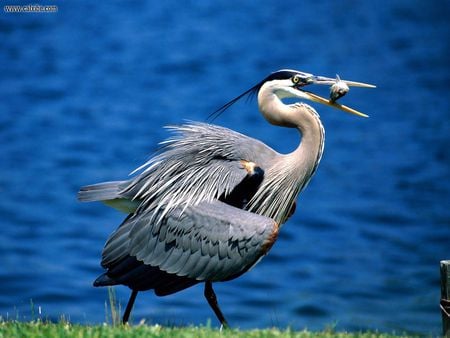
<point>201,162</point>
<point>100,191</point>
<point>222,246</point>
<point>212,265</point>
<point>172,259</point>
<point>178,265</point>
<point>189,268</point>
<point>161,253</point>
<point>210,241</point>
<point>114,253</point>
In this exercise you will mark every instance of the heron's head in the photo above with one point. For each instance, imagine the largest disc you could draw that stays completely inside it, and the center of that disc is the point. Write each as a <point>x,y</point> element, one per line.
<point>287,83</point>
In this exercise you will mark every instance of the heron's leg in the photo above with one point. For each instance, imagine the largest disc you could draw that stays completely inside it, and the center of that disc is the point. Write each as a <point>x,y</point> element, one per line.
<point>212,301</point>
<point>126,314</point>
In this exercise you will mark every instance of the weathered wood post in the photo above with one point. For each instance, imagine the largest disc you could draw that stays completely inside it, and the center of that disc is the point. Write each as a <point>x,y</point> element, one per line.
<point>445,297</point>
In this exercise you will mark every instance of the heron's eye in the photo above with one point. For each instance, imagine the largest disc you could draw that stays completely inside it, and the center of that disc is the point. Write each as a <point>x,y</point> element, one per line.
<point>296,79</point>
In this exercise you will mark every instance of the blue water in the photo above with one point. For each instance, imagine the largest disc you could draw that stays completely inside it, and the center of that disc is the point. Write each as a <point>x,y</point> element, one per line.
<point>85,94</point>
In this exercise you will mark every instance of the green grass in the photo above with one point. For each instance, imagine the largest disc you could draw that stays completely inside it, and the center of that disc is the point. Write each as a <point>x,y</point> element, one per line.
<point>112,328</point>
<point>64,329</point>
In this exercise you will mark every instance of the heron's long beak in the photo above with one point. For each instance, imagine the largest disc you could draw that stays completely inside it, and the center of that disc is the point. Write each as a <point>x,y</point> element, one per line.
<point>321,80</point>
<point>316,98</point>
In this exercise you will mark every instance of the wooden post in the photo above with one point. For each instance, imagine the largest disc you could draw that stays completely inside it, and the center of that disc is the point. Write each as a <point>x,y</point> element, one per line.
<point>445,297</point>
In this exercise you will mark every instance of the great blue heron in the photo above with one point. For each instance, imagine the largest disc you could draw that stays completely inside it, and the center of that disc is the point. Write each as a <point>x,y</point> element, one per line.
<point>209,205</point>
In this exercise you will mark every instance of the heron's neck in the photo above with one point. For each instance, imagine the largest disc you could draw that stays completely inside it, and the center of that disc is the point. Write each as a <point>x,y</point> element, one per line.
<point>309,151</point>
<point>301,164</point>
<point>302,117</point>
<point>287,177</point>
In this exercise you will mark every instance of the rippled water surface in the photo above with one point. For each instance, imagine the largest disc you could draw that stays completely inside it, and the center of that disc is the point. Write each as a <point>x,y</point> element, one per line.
<point>85,94</point>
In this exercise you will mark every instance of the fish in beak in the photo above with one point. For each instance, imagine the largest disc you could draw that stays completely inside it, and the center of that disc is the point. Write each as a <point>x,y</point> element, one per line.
<point>338,89</point>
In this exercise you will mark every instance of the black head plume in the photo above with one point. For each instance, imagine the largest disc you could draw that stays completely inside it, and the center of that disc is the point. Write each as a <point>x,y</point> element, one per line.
<point>282,74</point>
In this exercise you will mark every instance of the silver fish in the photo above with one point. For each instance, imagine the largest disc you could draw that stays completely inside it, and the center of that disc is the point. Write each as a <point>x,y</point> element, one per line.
<point>338,89</point>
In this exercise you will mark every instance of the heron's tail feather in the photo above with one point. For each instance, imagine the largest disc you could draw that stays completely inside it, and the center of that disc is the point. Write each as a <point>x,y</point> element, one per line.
<point>100,191</point>
<point>111,194</point>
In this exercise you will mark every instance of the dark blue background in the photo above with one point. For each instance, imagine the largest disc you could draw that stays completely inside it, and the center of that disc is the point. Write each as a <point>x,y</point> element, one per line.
<point>85,93</point>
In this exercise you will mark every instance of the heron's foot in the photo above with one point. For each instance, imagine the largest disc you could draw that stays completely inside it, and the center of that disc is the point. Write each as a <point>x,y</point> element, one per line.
<point>224,326</point>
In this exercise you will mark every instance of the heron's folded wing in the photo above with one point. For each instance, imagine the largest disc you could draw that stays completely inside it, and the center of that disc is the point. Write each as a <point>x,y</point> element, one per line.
<point>210,241</point>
